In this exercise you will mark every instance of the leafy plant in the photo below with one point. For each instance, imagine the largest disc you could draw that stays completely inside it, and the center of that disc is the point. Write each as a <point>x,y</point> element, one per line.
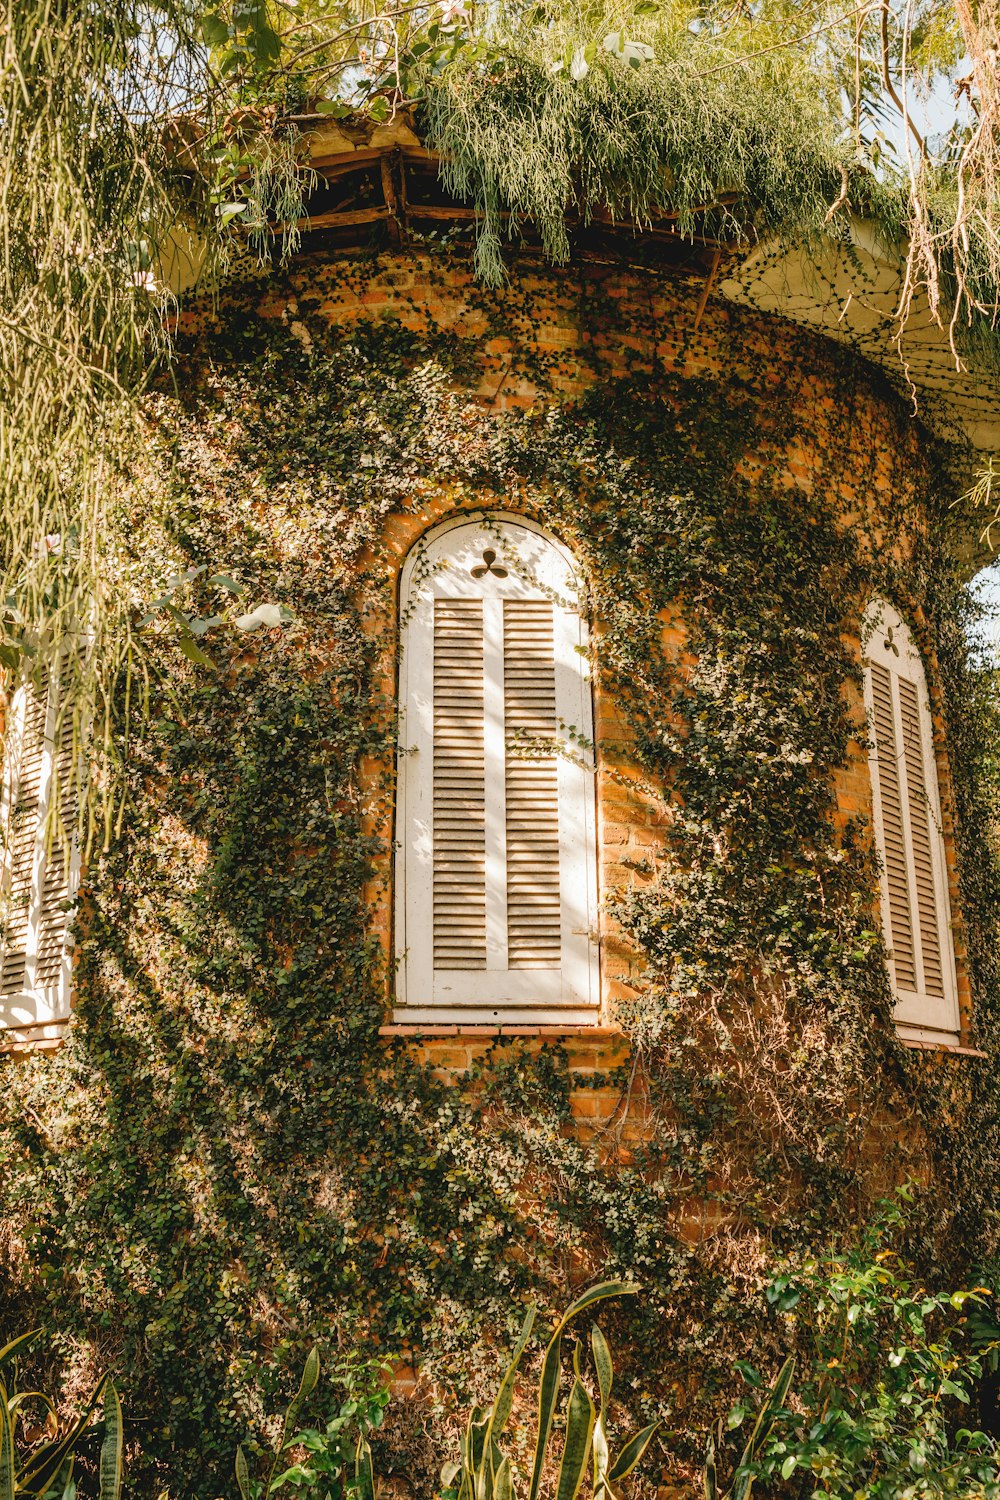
<point>46,1469</point>
<point>743,1478</point>
<point>877,1409</point>
<point>338,1459</point>
<point>484,1472</point>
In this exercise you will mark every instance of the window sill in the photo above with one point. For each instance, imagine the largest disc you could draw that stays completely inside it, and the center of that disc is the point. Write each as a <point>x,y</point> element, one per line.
<point>398,1030</point>
<point>947,1048</point>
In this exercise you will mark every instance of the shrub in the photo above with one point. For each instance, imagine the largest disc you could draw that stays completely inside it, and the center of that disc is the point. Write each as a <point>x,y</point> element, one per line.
<point>886,1371</point>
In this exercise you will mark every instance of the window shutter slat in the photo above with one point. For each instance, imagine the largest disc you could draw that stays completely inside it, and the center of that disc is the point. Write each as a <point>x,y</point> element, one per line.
<point>39,881</point>
<point>496,878</point>
<point>915,901</point>
<point>459,796</point>
<point>920,838</point>
<point>53,923</point>
<point>894,853</point>
<point>22,834</point>
<point>534,925</point>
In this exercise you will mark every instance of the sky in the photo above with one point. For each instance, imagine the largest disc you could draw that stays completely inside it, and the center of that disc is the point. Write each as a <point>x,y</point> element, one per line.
<point>986,588</point>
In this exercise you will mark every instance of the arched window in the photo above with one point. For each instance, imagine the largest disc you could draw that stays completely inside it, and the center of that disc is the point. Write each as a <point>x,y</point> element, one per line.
<point>916,913</point>
<point>37,883</point>
<point>496,885</point>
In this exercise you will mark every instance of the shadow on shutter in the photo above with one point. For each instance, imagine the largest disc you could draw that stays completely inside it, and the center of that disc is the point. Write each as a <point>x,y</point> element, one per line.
<point>532,787</point>
<point>459,797</point>
<point>22,841</point>
<point>894,853</point>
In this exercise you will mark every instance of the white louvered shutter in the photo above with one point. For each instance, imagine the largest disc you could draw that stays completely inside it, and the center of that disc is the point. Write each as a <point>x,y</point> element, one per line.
<point>916,911</point>
<point>39,882</point>
<point>496,868</point>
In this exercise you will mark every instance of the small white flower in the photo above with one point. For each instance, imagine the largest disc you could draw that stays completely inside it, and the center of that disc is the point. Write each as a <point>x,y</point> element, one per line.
<point>579,67</point>
<point>453,11</point>
<point>627,51</point>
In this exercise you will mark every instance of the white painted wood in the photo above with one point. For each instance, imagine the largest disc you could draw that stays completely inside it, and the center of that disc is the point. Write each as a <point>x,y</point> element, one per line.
<point>539,880</point>
<point>496,797</point>
<point>38,883</point>
<point>916,910</point>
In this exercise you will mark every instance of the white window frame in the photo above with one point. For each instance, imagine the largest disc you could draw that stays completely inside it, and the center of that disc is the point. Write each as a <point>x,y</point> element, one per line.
<point>38,1014</point>
<point>502,997</point>
<point>918,1016</point>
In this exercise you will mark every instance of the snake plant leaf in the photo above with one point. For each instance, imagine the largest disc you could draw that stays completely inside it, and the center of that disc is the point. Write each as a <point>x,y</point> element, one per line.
<point>742,1485</point>
<point>23,1396</point>
<point>602,1364</point>
<point>505,1395</point>
<point>602,1459</point>
<point>7,1459</point>
<point>769,1410</point>
<point>597,1293</point>
<point>478,1428</point>
<point>18,1346</point>
<point>633,1451</point>
<point>580,1415</point>
<point>548,1397</point>
<point>548,1389</point>
<point>44,1464</point>
<point>364,1472</point>
<point>242,1474</point>
<point>111,1448</point>
<point>503,1485</point>
<point>64,1487</point>
<point>308,1383</point>
<point>710,1475</point>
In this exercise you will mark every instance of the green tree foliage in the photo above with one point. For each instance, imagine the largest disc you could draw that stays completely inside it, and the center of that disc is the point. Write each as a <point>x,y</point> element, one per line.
<point>134,133</point>
<point>883,1400</point>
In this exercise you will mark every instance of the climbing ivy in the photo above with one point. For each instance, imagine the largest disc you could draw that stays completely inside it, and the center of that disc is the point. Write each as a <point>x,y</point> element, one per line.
<point>225,1162</point>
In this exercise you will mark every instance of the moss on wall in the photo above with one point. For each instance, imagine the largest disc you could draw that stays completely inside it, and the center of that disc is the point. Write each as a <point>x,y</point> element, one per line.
<point>225,1161</point>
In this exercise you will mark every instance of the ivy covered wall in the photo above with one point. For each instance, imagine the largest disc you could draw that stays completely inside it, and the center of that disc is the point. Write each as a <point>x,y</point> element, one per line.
<point>227,1159</point>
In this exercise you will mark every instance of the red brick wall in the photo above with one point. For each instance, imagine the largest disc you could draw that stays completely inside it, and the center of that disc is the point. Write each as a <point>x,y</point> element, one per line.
<point>599,321</point>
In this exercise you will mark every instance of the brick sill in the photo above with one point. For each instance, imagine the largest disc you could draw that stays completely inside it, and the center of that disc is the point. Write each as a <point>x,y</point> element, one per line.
<point>947,1048</point>
<point>485,1033</point>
